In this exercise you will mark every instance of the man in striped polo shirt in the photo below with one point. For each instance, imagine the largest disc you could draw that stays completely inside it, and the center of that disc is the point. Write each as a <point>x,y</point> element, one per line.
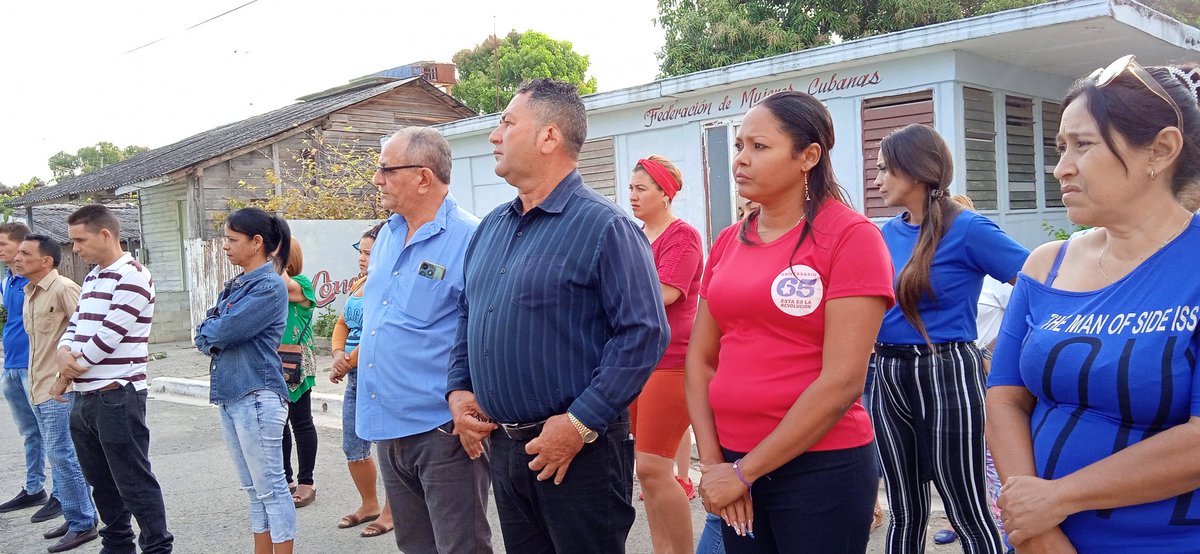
<point>104,352</point>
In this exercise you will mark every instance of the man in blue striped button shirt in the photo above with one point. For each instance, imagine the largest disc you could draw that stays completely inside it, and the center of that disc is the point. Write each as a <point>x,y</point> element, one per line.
<point>560,325</point>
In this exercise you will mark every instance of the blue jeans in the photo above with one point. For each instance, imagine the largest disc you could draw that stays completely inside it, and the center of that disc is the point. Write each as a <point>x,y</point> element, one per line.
<point>15,383</point>
<point>54,421</point>
<point>356,449</point>
<point>253,428</point>
<point>711,541</point>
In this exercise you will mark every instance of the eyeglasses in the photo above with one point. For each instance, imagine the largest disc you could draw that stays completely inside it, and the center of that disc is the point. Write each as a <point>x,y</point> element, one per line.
<point>389,169</point>
<point>1104,76</point>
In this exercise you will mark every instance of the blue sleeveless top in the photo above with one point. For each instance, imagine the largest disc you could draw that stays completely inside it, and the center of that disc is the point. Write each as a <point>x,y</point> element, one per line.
<point>1110,368</point>
<point>353,315</point>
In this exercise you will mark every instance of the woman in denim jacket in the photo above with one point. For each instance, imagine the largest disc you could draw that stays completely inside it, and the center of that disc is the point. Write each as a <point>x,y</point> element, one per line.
<point>241,334</point>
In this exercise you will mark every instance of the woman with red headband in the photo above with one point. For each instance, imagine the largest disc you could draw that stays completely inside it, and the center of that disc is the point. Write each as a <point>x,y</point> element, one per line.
<point>660,423</point>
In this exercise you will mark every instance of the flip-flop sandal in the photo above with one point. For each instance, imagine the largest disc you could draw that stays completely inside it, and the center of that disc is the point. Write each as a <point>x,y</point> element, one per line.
<point>945,536</point>
<point>352,520</point>
<point>375,529</point>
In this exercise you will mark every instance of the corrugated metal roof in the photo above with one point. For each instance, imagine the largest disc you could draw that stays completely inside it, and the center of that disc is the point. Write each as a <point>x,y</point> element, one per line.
<point>211,144</point>
<point>51,219</point>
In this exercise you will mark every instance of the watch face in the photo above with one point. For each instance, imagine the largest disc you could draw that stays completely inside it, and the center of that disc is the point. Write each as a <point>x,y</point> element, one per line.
<point>590,436</point>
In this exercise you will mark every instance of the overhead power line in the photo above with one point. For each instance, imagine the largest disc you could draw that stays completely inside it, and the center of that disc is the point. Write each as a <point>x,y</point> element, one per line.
<point>215,17</point>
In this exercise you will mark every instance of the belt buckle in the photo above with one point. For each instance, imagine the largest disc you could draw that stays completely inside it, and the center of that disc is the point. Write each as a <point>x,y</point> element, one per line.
<point>517,431</point>
<point>511,430</point>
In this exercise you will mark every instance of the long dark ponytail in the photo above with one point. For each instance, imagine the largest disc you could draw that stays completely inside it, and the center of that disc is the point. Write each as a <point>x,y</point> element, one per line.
<point>805,119</point>
<point>274,230</point>
<point>919,153</point>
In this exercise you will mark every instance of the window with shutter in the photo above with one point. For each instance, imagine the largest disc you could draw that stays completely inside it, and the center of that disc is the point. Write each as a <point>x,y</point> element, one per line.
<point>979,130</point>
<point>597,166</point>
<point>1051,114</point>
<point>1022,169</point>
<point>881,116</point>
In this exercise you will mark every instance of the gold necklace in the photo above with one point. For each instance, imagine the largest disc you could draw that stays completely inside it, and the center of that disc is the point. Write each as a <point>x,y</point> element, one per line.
<point>1104,250</point>
<point>761,229</point>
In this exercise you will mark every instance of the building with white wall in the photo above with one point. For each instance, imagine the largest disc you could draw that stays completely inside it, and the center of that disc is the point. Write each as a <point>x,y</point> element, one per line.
<point>991,85</point>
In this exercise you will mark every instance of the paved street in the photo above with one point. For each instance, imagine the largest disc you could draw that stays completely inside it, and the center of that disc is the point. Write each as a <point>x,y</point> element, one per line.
<point>206,511</point>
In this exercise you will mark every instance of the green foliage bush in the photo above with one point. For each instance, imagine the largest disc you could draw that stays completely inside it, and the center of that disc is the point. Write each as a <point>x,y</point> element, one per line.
<point>325,321</point>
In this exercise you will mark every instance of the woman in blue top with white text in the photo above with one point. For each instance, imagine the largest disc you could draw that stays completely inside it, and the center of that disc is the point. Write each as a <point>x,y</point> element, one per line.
<point>1094,396</point>
<point>347,333</point>
<point>241,334</point>
<point>927,406</point>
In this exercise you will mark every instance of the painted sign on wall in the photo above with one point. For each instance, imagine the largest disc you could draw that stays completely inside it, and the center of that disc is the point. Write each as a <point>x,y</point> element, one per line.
<point>747,98</point>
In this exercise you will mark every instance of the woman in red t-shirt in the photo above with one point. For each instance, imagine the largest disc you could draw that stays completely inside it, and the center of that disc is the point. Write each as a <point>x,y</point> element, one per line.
<point>659,416</point>
<point>791,301</point>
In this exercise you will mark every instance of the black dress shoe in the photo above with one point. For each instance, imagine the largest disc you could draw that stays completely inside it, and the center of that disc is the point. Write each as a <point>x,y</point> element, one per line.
<point>24,500</point>
<point>50,510</point>
<point>57,531</point>
<point>73,539</point>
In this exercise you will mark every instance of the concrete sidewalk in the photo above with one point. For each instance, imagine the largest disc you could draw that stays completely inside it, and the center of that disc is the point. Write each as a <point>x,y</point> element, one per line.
<point>177,368</point>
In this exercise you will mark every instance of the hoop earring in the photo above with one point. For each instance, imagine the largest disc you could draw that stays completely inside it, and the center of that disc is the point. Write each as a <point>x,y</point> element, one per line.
<point>1153,174</point>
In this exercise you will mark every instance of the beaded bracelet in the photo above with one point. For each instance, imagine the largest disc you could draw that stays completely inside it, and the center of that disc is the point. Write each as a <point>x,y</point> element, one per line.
<point>738,471</point>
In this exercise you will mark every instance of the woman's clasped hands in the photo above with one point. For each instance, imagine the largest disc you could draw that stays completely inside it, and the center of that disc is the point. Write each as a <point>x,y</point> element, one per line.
<point>723,493</point>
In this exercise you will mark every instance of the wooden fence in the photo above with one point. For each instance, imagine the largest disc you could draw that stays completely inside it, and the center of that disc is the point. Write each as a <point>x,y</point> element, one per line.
<point>207,271</point>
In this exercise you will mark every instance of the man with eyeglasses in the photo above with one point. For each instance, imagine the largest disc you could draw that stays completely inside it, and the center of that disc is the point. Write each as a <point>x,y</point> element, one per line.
<point>438,494</point>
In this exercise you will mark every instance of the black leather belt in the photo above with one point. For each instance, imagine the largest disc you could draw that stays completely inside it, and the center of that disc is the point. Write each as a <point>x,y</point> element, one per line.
<point>105,388</point>
<point>521,431</point>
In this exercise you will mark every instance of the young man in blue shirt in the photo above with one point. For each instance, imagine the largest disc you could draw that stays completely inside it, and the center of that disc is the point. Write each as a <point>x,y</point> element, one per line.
<point>15,382</point>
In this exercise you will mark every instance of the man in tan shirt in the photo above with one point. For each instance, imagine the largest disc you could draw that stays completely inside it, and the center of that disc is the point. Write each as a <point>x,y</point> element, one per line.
<point>50,299</point>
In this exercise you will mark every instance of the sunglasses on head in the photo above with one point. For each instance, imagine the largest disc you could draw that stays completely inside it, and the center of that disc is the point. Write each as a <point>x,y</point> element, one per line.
<point>1104,76</point>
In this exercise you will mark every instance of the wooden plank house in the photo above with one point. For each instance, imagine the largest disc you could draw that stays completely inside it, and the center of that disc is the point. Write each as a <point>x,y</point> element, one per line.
<point>184,189</point>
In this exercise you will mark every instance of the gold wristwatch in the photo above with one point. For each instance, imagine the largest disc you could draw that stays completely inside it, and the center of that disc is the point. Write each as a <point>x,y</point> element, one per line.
<point>589,436</point>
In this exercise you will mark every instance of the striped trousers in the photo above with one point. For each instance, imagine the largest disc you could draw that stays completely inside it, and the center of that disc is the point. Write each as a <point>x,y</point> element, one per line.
<point>927,409</point>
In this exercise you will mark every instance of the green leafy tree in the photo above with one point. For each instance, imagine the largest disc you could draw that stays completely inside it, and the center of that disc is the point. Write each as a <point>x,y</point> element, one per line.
<point>1186,11</point>
<point>990,6</point>
<point>65,166</point>
<point>703,34</point>
<point>8,194</point>
<point>490,73</point>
